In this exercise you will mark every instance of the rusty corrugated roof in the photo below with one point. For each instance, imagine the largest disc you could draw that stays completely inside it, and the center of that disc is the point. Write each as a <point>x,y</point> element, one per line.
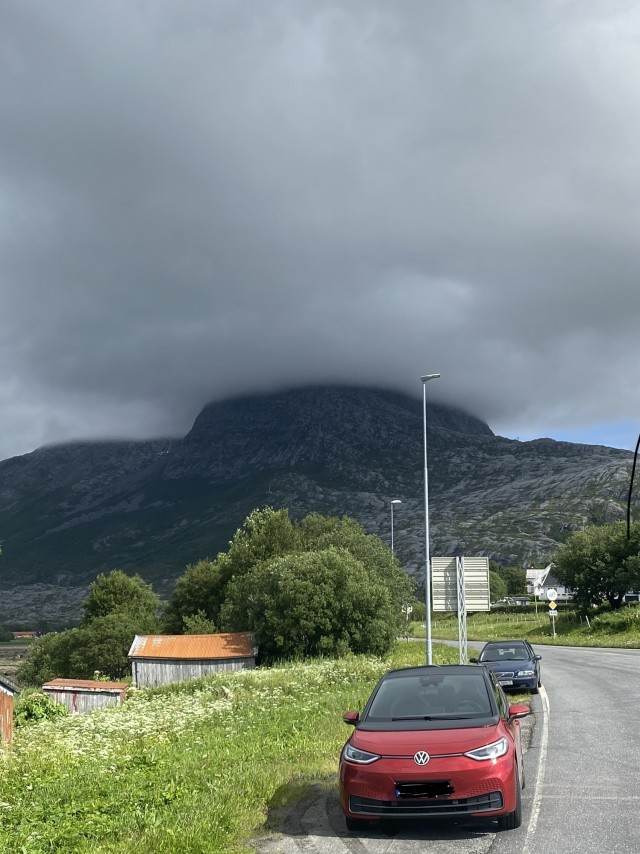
<point>237,645</point>
<point>85,685</point>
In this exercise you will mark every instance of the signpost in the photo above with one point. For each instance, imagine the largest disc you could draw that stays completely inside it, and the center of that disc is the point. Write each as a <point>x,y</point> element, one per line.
<point>460,584</point>
<point>552,595</point>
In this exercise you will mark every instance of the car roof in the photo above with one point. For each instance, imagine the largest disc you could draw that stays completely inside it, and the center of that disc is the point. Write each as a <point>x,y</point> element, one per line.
<point>507,642</point>
<point>430,668</point>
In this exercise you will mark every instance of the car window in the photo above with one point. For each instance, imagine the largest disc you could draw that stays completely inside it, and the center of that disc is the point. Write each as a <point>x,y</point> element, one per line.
<point>436,695</point>
<point>506,652</point>
<point>501,699</point>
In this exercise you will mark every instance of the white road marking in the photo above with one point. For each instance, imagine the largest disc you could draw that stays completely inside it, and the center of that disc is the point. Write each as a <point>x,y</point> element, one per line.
<point>537,795</point>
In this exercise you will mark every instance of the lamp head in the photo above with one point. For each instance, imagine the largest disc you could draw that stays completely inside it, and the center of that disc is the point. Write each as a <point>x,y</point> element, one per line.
<point>428,377</point>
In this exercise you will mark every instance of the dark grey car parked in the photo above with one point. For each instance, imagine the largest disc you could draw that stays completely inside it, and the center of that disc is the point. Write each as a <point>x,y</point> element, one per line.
<point>514,662</point>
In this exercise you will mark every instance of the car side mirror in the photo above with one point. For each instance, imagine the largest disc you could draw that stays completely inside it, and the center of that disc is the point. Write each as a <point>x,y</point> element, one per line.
<point>518,710</point>
<point>537,657</point>
<point>473,660</point>
<point>351,718</point>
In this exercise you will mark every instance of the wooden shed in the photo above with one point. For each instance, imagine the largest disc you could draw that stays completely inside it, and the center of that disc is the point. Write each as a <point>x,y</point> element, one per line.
<point>8,689</point>
<point>162,659</point>
<point>85,695</point>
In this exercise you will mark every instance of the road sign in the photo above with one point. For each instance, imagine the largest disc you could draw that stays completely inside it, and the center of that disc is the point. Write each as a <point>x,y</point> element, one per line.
<point>444,583</point>
<point>553,605</point>
<point>553,614</point>
<point>552,594</point>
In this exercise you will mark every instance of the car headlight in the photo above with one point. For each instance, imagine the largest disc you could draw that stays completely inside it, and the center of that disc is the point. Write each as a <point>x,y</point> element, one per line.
<point>489,751</point>
<point>359,757</point>
<point>526,673</point>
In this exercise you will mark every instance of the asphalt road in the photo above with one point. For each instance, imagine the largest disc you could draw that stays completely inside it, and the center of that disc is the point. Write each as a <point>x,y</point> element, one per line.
<point>581,765</point>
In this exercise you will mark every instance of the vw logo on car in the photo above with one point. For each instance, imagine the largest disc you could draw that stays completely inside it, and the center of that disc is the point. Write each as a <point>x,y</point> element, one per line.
<point>421,757</point>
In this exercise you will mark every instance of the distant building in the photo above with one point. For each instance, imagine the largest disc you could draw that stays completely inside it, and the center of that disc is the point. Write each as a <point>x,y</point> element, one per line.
<point>21,635</point>
<point>539,581</point>
<point>163,659</point>
<point>8,689</point>
<point>85,695</point>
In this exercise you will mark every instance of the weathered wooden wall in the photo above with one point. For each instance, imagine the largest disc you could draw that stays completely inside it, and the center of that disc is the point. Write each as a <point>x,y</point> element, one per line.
<point>150,673</point>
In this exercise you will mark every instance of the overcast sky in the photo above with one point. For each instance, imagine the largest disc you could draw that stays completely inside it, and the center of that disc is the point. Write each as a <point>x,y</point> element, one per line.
<point>212,197</point>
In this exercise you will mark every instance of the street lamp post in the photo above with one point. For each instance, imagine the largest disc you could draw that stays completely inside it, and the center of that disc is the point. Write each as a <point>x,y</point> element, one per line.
<point>394,501</point>
<point>427,570</point>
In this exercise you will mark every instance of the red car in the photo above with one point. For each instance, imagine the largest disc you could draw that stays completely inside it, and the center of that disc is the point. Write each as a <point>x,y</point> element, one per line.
<point>434,741</point>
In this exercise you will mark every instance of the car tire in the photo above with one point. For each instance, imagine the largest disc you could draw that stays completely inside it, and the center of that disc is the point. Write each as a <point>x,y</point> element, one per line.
<point>513,819</point>
<point>355,824</point>
<point>535,689</point>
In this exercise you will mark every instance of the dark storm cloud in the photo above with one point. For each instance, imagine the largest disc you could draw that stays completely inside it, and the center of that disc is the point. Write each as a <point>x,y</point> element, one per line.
<point>209,198</point>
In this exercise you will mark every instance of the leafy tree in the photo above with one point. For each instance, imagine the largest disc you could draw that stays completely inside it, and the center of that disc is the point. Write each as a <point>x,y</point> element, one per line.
<point>199,590</point>
<point>312,603</point>
<point>321,532</point>
<point>513,576</point>
<point>198,624</point>
<point>497,586</point>
<point>48,658</point>
<point>118,593</point>
<point>265,534</point>
<point>103,644</point>
<point>600,563</point>
<point>118,608</point>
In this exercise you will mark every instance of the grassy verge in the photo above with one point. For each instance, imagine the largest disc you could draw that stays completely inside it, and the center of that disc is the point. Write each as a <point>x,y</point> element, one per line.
<point>605,629</point>
<point>193,768</point>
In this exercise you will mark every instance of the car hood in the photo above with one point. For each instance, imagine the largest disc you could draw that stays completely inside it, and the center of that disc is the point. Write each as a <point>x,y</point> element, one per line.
<point>434,741</point>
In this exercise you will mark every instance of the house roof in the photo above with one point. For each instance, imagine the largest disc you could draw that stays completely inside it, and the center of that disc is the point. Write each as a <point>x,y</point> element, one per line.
<point>239,645</point>
<point>86,685</point>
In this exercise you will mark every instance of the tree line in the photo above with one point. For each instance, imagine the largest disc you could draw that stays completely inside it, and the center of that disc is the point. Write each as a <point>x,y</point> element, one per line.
<point>318,586</point>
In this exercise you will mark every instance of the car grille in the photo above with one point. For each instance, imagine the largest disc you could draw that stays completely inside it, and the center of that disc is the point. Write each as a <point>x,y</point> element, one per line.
<point>507,674</point>
<point>424,808</point>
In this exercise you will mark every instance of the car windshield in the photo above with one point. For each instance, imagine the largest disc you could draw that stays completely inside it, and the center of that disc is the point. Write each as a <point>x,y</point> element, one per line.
<point>432,696</point>
<point>506,652</point>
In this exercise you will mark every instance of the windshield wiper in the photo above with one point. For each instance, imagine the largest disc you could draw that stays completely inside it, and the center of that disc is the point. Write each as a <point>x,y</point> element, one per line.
<point>418,718</point>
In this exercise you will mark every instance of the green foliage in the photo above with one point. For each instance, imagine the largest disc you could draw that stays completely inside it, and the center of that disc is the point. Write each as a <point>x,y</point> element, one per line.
<point>117,609</point>
<point>198,590</point>
<point>313,603</point>
<point>267,535</point>
<point>102,644</point>
<point>35,706</point>
<point>322,532</point>
<point>198,624</point>
<point>5,635</point>
<point>118,593</point>
<point>497,586</point>
<point>600,563</point>
<point>514,577</point>
<point>48,658</point>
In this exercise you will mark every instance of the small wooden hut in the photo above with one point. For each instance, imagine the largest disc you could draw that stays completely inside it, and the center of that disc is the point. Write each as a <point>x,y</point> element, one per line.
<point>162,659</point>
<point>85,695</point>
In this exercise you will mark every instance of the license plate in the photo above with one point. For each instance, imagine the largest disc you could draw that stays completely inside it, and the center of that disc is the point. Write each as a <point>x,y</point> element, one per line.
<point>505,681</point>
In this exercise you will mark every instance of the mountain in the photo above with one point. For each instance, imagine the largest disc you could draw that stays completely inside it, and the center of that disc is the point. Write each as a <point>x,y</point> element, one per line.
<point>70,511</point>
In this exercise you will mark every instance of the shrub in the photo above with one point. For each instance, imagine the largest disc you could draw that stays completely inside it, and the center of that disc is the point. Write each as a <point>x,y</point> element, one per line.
<point>35,706</point>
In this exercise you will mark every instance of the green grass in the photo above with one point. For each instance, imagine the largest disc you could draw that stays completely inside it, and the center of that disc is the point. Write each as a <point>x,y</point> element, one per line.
<point>604,629</point>
<point>192,768</point>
